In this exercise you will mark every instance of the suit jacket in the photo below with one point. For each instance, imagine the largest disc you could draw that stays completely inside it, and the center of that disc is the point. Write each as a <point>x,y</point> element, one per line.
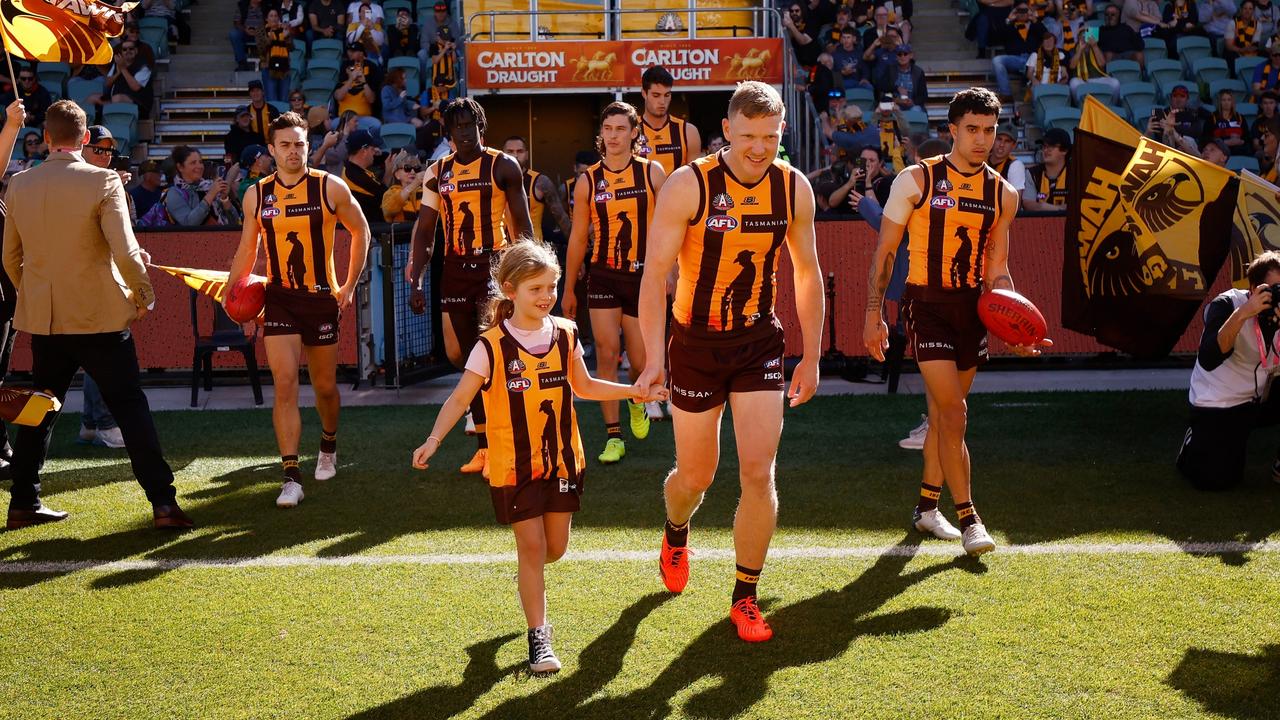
<point>70,251</point>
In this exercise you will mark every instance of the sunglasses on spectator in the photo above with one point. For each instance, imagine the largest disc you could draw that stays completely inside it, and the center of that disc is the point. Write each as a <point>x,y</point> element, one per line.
<point>31,141</point>
<point>903,52</point>
<point>101,150</point>
<point>411,168</point>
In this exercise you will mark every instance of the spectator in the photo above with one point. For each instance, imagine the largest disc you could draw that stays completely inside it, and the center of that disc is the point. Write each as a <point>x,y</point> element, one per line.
<point>366,30</point>
<point>1046,183</point>
<point>241,133</point>
<point>1002,160</point>
<point>904,80</point>
<point>327,20</point>
<point>249,18</point>
<point>1229,126</point>
<point>1181,18</point>
<point>1244,41</point>
<point>944,132</point>
<point>148,190</point>
<point>988,23</point>
<point>844,19</point>
<point>1087,65</point>
<point>1266,76</point>
<point>1048,66</point>
<point>444,68</point>
<point>822,81</point>
<point>261,112</point>
<point>843,126</point>
<point>891,131</point>
<point>431,26</point>
<point>866,203</point>
<point>1141,15</point>
<point>101,152</point>
<point>376,12</point>
<point>401,201</point>
<point>715,144</point>
<point>133,33</point>
<point>1216,152</point>
<point>1070,31</point>
<point>317,126</point>
<point>1268,16</point>
<point>257,163</point>
<point>178,28</point>
<point>1117,40</point>
<point>818,13</point>
<point>402,38</point>
<point>1021,37</point>
<point>298,103</point>
<point>1221,17</point>
<point>192,200</point>
<point>883,52</point>
<point>834,183</point>
<point>1267,103</point>
<point>331,154</point>
<point>35,98</point>
<point>879,26</point>
<point>362,150</point>
<point>292,16</point>
<point>803,45</point>
<point>274,45</point>
<point>1270,134</point>
<point>845,184</point>
<point>397,106</point>
<point>128,81</point>
<point>358,84</point>
<point>847,61</point>
<point>1179,125</point>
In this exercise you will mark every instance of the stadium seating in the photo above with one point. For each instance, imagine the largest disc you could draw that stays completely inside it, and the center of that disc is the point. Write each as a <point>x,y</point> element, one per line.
<point>398,135</point>
<point>1154,49</point>
<point>390,7</point>
<point>1102,91</point>
<point>918,119</point>
<point>1066,118</point>
<point>323,68</point>
<point>326,48</point>
<point>1046,97</point>
<point>1207,69</point>
<point>123,132</point>
<point>1243,162</point>
<point>1137,93</point>
<point>862,97</point>
<point>1248,110</point>
<point>1139,113</point>
<point>1245,65</point>
<point>317,91</point>
<point>1125,70</point>
<point>123,113</point>
<point>1235,86</point>
<point>1192,48</point>
<point>53,76</point>
<point>411,67</point>
<point>1165,74</point>
<point>280,105</point>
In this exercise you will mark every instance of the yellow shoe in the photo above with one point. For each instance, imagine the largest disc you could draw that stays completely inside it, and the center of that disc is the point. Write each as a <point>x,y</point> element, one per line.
<point>614,449</point>
<point>639,420</point>
<point>478,463</point>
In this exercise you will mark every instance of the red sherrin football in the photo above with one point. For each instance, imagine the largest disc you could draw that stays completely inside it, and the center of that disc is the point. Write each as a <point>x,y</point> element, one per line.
<point>246,298</point>
<point>1011,317</point>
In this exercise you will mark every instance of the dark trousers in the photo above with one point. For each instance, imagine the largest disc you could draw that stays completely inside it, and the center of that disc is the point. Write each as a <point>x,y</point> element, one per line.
<point>112,361</point>
<point>8,300</point>
<point>1216,443</point>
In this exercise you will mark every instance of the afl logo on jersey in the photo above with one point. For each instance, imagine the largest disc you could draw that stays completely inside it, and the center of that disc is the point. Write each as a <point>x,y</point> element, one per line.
<point>943,202</point>
<point>447,188</point>
<point>519,384</point>
<point>515,367</point>
<point>604,196</point>
<point>269,200</point>
<point>943,186</point>
<point>270,212</point>
<point>722,202</point>
<point>721,223</point>
<point>644,149</point>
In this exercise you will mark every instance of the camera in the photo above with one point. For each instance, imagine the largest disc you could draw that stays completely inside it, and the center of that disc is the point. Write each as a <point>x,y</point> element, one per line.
<point>841,171</point>
<point>1274,289</point>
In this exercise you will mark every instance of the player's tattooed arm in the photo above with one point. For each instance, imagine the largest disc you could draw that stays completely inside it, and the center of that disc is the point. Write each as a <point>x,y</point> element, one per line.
<point>551,199</point>
<point>510,178</point>
<point>878,282</point>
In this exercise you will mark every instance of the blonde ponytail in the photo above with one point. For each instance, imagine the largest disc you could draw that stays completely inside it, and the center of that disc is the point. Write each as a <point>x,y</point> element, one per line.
<point>522,259</point>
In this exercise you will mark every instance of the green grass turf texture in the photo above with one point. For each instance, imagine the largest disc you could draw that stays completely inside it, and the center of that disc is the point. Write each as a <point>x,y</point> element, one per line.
<point>1009,636</point>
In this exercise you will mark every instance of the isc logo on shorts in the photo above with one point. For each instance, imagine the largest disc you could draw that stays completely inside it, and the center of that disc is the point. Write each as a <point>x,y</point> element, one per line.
<point>721,223</point>
<point>447,188</point>
<point>604,197</point>
<point>515,367</point>
<point>943,202</point>
<point>270,213</point>
<point>519,384</point>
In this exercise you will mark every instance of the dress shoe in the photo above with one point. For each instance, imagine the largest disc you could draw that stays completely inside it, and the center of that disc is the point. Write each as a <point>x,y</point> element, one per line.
<point>39,516</point>
<point>171,517</point>
<point>6,470</point>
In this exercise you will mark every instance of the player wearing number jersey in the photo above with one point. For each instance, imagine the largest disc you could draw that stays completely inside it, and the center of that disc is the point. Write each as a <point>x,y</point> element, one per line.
<point>665,139</point>
<point>293,213</point>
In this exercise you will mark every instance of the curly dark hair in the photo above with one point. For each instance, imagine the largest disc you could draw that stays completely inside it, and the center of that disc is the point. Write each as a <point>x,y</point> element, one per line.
<point>463,105</point>
<point>976,100</point>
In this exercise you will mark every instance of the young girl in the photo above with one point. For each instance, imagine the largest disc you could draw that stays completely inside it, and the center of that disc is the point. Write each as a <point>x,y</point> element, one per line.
<point>529,366</point>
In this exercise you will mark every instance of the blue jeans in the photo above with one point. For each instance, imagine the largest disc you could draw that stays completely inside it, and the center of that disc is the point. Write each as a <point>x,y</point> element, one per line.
<point>275,89</point>
<point>240,45</point>
<point>1005,64</point>
<point>96,416</point>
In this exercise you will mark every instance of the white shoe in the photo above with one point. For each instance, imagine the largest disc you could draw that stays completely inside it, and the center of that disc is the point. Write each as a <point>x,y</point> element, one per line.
<point>109,438</point>
<point>326,465</point>
<point>624,363</point>
<point>915,439</point>
<point>290,495</point>
<point>542,659</point>
<point>654,410</point>
<point>933,521</point>
<point>87,435</point>
<point>471,424</point>
<point>977,541</point>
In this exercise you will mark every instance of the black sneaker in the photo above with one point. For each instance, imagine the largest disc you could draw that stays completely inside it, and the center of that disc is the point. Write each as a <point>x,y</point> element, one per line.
<point>542,659</point>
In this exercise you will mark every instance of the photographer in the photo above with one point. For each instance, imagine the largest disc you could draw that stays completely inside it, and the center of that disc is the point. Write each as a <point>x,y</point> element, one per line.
<point>1185,121</point>
<point>1230,391</point>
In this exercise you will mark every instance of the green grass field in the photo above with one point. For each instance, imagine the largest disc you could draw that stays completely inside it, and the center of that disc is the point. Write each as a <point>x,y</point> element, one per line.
<point>1091,610</point>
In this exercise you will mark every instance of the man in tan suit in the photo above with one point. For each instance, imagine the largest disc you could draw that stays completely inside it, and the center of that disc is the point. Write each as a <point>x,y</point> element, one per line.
<point>70,251</point>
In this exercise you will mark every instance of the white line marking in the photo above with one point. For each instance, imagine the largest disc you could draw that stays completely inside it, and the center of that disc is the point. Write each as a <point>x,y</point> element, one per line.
<point>801,553</point>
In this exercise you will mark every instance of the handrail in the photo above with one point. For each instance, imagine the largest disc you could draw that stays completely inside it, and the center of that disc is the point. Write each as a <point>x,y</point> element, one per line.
<point>613,31</point>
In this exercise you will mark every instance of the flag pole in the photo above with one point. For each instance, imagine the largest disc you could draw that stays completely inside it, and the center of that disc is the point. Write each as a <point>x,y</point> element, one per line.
<point>8,57</point>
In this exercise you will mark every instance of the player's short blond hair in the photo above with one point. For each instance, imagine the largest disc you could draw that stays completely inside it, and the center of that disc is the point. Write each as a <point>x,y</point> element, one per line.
<point>754,99</point>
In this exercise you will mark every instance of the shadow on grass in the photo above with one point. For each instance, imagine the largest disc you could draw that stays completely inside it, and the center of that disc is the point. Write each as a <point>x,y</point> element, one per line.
<point>1233,685</point>
<point>443,701</point>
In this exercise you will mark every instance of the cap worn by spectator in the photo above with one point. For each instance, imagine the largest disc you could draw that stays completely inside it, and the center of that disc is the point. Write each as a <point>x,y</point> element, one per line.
<point>255,84</point>
<point>903,48</point>
<point>149,166</point>
<point>1221,146</point>
<point>1056,137</point>
<point>1007,129</point>
<point>360,140</point>
<point>242,110</point>
<point>250,155</point>
<point>1179,90</point>
<point>440,7</point>
<point>98,133</point>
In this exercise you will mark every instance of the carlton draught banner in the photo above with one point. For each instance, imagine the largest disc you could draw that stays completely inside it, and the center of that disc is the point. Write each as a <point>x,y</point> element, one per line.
<point>620,63</point>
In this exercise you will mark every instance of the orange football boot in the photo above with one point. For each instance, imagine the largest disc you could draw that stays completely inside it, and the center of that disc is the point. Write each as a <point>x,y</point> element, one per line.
<point>673,566</point>
<point>745,616</point>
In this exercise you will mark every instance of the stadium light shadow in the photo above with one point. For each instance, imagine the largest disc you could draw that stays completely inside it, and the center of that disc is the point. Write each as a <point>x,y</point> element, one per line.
<point>442,701</point>
<point>1236,685</point>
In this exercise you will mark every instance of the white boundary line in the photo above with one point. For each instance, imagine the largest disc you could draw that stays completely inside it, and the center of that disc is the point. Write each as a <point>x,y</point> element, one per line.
<point>793,553</point>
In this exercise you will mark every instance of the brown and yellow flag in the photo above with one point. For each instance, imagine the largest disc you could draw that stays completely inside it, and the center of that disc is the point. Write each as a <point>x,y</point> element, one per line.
<point>70,31</point>
<point>1145,237</point>
<point>1257,225</point>
<point>1097,118</point>
<point>209,282</point>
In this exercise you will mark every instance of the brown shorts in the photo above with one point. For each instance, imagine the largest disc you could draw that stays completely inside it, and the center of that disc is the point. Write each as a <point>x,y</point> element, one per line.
<point>946,330</point>
<point>535,498</point>
<point>611,289</point>
<point>314,316</point>
<point>464,286</point>
<point>703,375</point>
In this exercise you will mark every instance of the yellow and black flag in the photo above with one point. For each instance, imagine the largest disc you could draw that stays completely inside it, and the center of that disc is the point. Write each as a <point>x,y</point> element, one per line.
<point>1146,235</point>
<point>1257,225</point>
<point>70,31</point>
<point>207,282</point>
